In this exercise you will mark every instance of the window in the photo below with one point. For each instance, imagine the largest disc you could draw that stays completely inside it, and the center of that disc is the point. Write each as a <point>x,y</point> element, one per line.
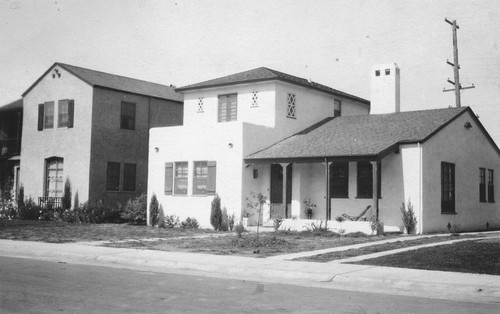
<point>48,116</point>
<point>129,177</point>
<point>228,105</point>
<point>113,176</point>
<point>337,106</point>
<point>200,104</point>
<point>491,187</point>
<point>365,179</point>
<point>291,110</point>
<point>180,178</point>
<point>377,72</point>
<point>447,188</point>
<point>482,185</point>
<point>200,177</point>
<point>54,177</point>
<point>387,71</point>
<point>339,180</point>
<point>127,119</point>
<point>255,99</point>
<point>63,113</point>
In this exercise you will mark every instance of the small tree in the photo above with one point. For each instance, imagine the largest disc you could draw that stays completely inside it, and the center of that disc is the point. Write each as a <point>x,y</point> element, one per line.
<point>154,208</point>
<point>409,219</point>
<point>76,203</point>
<point>216,214</point>
<point>255,202</point>
<point>20,197</point>
<point>66,200</point>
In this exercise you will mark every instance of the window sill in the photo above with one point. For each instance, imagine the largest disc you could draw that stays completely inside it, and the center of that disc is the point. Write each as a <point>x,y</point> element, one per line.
<point>294,118</point>
<point>448,213</point>
<point>118,191</point>
<point>366,197</point>
<point>340,197</point>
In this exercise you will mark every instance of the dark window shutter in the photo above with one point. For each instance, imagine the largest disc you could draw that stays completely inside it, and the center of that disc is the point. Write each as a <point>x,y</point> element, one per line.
<point>40,117</point>
<point>212,176</point>
<point>169,177</point>
<point>71,112</point>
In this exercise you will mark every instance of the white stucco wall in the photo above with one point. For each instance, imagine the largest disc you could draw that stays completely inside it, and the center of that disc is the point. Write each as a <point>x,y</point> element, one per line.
<point>72,144</point>
<point>469,150</point>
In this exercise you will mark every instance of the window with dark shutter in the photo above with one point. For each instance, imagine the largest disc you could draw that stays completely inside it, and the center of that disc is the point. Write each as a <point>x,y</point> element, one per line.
<point>211,176</point>
<point>482,185</point>
<point>200,175</point>
<point>63,114</point>
<point>71,113</point>
<point>447,188</point>
<point>129,177</point>
<point>113,176</point>
<point>169,177</point>
<point>491,187</point>
<point>339,180</point>
<point>48,115</point>
<point>40,117</point>
<point>181,178</point>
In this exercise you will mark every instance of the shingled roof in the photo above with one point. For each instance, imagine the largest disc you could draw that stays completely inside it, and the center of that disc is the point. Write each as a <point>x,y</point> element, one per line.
<point>116,82</point>
<point>361,136</point>
<point>265,74</point>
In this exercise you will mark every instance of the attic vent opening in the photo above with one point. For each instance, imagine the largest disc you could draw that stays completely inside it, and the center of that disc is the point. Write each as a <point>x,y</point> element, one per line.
<point>387,71</point>
<point>377,73</point>
<point>255,99</point>
<point>291,106</point>
<point>200,104</point>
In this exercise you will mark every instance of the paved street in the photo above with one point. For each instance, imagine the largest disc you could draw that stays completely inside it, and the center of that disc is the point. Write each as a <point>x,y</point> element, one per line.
<point>34,286</point>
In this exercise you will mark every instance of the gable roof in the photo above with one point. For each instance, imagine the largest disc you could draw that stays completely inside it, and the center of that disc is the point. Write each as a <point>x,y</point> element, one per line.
<point>362,136</point>
<point>16,104</point>
<point>265,74</point>
<point>116,82</point>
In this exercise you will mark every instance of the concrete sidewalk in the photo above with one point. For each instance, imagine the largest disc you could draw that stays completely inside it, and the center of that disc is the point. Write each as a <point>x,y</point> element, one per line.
<point>409,282</point>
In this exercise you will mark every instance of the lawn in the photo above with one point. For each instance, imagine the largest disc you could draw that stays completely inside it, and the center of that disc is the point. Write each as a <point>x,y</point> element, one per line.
<point>177,239</point>
<point>481,257</point>
<point>328,257</point>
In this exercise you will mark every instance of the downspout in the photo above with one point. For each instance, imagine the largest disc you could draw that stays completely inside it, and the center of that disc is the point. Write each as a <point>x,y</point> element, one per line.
<point>327,194</point>
<point>420,188</point>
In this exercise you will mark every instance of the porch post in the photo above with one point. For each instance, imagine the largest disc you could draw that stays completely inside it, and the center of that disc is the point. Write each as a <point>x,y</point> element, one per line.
<point>375,187</point>
<point>284,189</point>
<point>327,194</point>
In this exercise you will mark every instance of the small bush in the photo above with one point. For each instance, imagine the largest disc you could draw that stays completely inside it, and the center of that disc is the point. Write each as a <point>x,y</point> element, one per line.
<point>29,210</point>
<point>216,214</point>
<point>154,208</point>
<point>230,222</point>
<point>70,216</point>
<point>190,223</point>
<point>277,223</point>
<point>239,229</point>
<point>66,200</point>
<point>20,197</point>
<point>76,203</point>
<point>48,212</point>
<point>8,209</point>
<point>161,217</point>
<point>409,219</point>
<point>171,221</point>
<point>376,226</point>
<point>134,211</point>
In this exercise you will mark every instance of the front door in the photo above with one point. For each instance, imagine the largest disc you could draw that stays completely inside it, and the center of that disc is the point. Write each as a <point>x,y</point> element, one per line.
<point>276,184</point>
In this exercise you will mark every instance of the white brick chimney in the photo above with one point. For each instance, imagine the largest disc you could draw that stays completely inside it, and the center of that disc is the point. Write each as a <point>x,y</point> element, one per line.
<point>385,89</point>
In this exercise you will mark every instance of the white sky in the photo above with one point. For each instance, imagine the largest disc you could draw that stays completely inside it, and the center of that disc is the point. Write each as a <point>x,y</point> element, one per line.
<point>334,42</point>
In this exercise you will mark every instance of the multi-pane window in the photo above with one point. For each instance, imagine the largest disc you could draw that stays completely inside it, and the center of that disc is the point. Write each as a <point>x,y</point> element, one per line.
<point>255,99</point>
<point>48,116</point>
<point>181,178</point>
<point>113,176</point>
<point>129,171</point>
<point>339,180</point>
<point>127,118</point>
<point>200,176</point>
<point>365,179</point>
<point>228,106</point>
<point>447,187</point>
<point>482,185</point>
<point>337,107</point>
<point>200,105</point>
<point>291,103</point>
<point>63,113</point>
<point>54,177</point>
<point>491,187</point>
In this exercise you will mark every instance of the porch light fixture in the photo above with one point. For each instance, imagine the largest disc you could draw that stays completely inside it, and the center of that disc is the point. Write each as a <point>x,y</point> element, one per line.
<point>467,125</point>
<point>157,149</point>
<point>230,145</point>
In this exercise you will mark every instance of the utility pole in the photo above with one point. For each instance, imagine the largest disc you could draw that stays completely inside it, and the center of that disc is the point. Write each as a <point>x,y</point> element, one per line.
<point>455,65</point>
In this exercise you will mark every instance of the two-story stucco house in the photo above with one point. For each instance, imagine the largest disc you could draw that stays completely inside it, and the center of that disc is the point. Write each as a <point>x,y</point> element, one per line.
<point>293,140</point>
<point>92,128</point>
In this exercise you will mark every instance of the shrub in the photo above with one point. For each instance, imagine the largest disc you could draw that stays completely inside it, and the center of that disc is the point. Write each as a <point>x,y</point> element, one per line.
<point>20,197</point>
<point>76,203</point>
<point>171,221</point>
<point>8,209</point>
<point>277,223</point>
<point>376,226</point>
<point>70,216</point>
<point>66,200</point>
<point>29,210</point>
<point>161,217</point>
<point>154,208</point>
<point>134,211</point>
<point>230,222</point>
<point>239,229</point>
<point>48,212</point>
<point>409,219</point>
<point>216,214</point>
<point>190,223</point>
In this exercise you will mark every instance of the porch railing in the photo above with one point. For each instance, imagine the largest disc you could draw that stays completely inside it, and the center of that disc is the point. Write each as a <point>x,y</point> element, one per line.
<point>55,202</point>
